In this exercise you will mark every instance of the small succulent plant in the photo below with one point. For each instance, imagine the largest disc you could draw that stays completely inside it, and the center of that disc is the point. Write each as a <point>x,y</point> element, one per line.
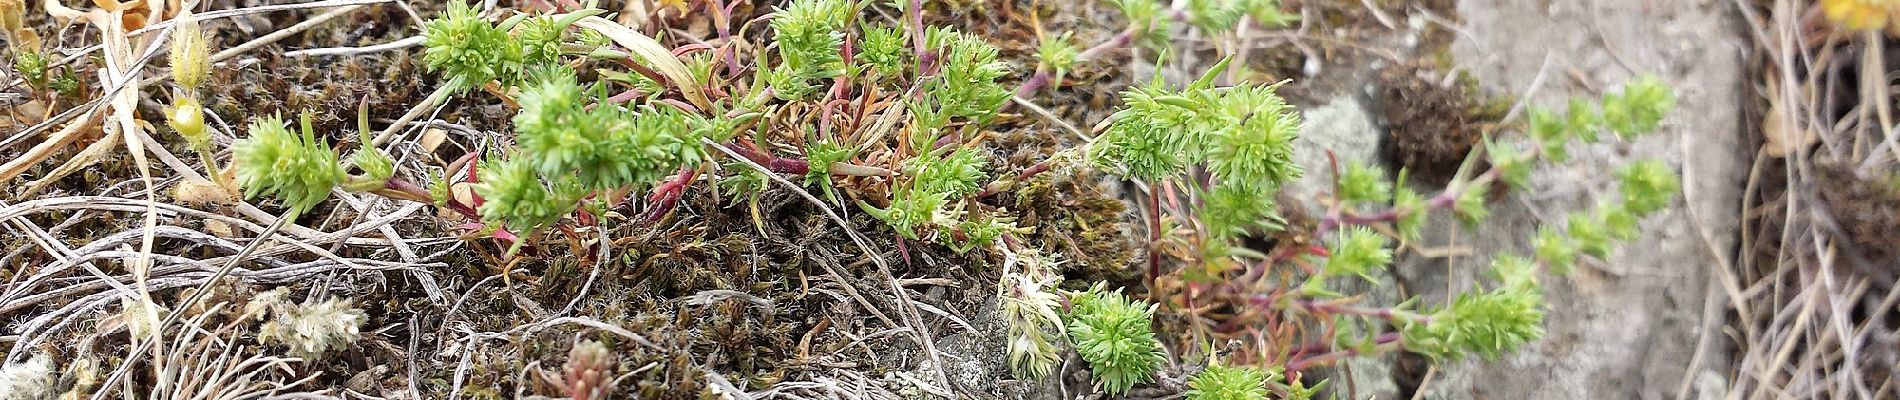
<point>589,371</point>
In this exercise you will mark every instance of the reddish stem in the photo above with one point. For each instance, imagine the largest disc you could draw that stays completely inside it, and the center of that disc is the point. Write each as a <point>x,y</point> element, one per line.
<point>1035,82</point>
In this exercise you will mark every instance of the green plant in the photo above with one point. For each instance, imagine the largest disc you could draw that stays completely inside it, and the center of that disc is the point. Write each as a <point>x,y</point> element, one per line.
<point>1239,138</point>
<point>1112,333</point>
<point>809,35</point>
<point>297,167</point>
<point>1222,382</point>
<point>468,50</point>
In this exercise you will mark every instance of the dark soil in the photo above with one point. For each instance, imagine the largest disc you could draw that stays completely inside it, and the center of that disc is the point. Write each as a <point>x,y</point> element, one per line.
<point>1432,128</point>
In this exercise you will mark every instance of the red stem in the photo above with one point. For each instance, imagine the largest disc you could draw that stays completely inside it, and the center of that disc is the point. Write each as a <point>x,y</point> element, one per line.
<point>1035,82</point>
<point>1388,341</point>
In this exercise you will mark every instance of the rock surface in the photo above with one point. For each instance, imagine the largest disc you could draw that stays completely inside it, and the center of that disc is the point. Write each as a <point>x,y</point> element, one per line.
<point>1628,327</point>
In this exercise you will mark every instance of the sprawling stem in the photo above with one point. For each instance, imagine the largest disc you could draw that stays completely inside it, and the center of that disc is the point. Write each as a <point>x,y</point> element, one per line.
<point>787,165</point>
<point>1445,198</point>
<point>1119,41</point>
<point>1386,342</point>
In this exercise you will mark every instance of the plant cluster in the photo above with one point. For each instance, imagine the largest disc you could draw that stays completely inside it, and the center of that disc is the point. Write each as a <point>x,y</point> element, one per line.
<point>29,59</point>
<point>1228,151</point>
<point>301,168</point>
<point>896,118</point>
<point>1113,333</point>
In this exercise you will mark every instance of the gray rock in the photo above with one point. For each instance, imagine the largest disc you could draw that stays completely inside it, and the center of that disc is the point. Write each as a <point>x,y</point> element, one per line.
<point>1626,327</point>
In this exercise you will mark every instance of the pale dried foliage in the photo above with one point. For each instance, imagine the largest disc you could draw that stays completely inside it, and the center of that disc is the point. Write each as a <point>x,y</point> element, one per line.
<point>1813,297</point>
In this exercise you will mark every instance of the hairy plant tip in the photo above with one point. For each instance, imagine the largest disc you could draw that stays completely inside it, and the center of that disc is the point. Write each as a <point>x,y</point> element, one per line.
<point>1357,252</point>
<point>958,174</point>
<point>515,196</point>
<point>1029,307</point>
<point>1145,140</point>
<point>1223,382</point>
<point>311,329</point>
<point>1252,131</point>
<point>468,50</point>
<point>542,37</point>
<point>1058,53</point>
<point>913,211</point>
<point>967,83</point>
<point>1147,20</point>
<point>1113,333</point>
<point>190,52</point>
<point>1233,209</point>
<point>589,371</point>
<point>1554,250</point>
<point>1361,182</point>
<point>1486,324</point>
<point>1469,205</point>
<point>881,50</point>
<point>29,380</point>
<point>605,147</point>
<point>1639,108</point>
<point>296,167</point>
<point>1647,186</point>
<point>809,34</point>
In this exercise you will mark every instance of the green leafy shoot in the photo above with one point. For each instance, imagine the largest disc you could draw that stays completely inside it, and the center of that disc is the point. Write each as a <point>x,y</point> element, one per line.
<point>1364,183</point>
<point>1217,15</point>
<point>913,212</point>
<point>958,174</point>
<point>967,84</point>
<point>468,50</point>
<point>1357,252</point>
<point>1647,186</point>
<point>809,34</point>
<point>1222,382</point>
<point>1112,333</point>
<point>377,167</point>
<point>1058,54</point>
<point>820,156</point>
<point>1555,250</point>
<point>1268,13</point>
<point>542,37</point>
<point>1145,140</point>
<point>1231,210</point>
<point>881,51</point>
<point>1252,131</point>
<point>1486,324</point>
<point>605,147</point>
<point>297,167</point>
<point>515,196</point>
<point>1639,108</point>
<point>1469,206</point>
<point>1147,20</point>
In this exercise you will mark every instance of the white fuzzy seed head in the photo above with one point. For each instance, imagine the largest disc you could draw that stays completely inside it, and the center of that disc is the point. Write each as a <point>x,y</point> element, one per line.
<point>312,329</point>
<point>29,380</point>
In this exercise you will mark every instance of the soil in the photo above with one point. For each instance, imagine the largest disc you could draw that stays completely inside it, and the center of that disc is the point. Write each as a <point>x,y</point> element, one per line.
<point>1433,126</point>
